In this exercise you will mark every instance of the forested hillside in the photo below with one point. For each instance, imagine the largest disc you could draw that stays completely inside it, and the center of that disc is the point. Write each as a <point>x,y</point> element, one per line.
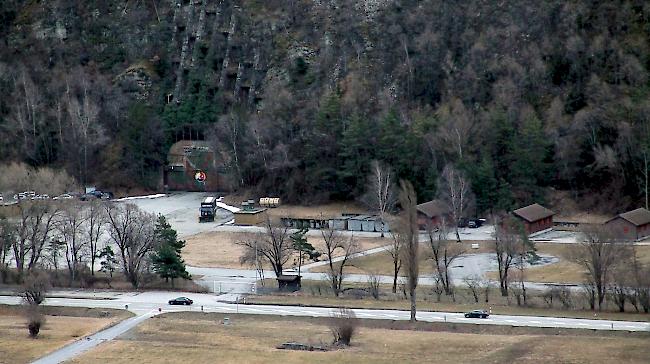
<point>301,95</point>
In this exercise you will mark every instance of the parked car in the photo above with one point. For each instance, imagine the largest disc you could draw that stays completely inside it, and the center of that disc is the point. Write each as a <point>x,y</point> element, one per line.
<point>65,196</point>
<point>181,301</point>
<point>477,314</point>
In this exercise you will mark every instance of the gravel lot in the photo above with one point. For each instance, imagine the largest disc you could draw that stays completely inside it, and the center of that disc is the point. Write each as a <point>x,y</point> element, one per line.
<point>182,211</point>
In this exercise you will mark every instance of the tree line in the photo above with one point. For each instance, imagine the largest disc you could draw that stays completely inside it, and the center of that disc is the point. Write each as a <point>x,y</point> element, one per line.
<point>521,97</point>
<point>84,238</point>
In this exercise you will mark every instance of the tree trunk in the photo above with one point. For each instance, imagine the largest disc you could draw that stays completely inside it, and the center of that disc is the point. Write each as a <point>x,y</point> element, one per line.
<point>413,308</point>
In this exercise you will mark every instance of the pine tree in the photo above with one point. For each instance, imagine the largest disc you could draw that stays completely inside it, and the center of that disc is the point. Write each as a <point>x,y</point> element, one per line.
<point>109,262</point>
<point>166,259</point>
<point>303,248</point>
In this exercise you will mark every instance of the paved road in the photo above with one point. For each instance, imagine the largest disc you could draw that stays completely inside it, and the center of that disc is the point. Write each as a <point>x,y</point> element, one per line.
<point>80,346</point>
<point>148,302</point>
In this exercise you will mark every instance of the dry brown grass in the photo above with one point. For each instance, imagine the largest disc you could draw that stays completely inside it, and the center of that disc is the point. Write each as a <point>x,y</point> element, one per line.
<point>499,305</point>
<point>382,263</point>
<point>200,338</point>
<point>220,249</point>
<point>17,347</point>
<point>565,271</point>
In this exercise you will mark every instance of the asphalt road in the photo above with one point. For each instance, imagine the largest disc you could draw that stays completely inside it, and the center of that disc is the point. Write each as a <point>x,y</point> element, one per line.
<point>80,346</point>
<point>148,304</point>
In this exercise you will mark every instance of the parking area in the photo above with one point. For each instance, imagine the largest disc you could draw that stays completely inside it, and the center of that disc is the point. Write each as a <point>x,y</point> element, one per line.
<point>182,211</point>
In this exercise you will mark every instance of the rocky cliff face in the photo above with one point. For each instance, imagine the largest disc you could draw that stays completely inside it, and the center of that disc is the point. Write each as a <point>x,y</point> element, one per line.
<point>296,90</point>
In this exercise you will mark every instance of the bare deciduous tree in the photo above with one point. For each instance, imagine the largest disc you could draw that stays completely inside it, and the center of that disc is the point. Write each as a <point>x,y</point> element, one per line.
<point>453,134</point>
<point>374,282</point>
<point>335,242</point>
<point>70,228</point>
<point>456,193</point>
<point>132,231</point>
<point>379,192</point>
<point>599,255</point>
<point>408,227</point>
<point>474,286</point>
<point>443,253</point>
<point>85,129</point>
<point>95,219</point>
<point>395,252</point>
<point>506,247</point>
<point>34,288</point>
<point>274,246</point>
<point>34,229</point>
<point>7,240</point>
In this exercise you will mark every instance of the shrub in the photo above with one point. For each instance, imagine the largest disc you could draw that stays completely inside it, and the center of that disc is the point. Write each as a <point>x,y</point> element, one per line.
<point>35,287</point>
<point>35,320</point>
<point>343,325</point>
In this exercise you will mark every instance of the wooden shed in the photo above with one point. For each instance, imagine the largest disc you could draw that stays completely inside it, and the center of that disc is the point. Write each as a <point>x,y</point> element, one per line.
<point>250,217</point>
<point>632,225</point>
<point>432,212</point>
<point>535,218</point>
<point>289,283</point>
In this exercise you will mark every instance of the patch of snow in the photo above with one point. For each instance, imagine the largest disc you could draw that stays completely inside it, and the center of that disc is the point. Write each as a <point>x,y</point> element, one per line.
<point>158,195</point>
<point>227,207</point>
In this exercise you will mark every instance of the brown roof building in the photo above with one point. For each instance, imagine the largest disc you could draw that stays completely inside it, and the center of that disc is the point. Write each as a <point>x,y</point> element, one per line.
<point>535,218</point>
<point>432,212</point>
<point>631,225</point>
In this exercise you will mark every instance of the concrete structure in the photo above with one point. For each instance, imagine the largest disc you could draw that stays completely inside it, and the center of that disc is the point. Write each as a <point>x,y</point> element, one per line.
<point>432,213</point>
<point>339,223</point>
<point>535,218</point>
<point>186,158</point>
<point>355,223</point>
<point>250,216</point>
<point>296,222</point>
<point>632,225</point>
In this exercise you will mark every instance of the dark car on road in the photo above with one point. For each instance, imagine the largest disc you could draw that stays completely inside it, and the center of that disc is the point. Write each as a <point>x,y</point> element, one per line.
<point>181,301</point>
<point>477,314</point>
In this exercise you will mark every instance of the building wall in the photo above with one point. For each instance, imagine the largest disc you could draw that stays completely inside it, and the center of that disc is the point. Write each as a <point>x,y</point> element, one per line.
<point>643,231</point>
<point>182,179</point>
<point>424,220</point>
<point>539,225</point>
<point>250,219</point>
<point>622,229</point>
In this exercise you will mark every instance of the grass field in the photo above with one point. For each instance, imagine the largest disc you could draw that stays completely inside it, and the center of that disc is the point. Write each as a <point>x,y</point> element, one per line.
<point>63,325</point>
<point>202,338</point>
<point>220,249</point>
<point>564,271</point>
<point>463,303</point>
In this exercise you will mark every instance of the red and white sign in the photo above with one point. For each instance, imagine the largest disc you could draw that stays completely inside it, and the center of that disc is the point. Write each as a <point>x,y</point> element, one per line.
<point>199,176</point>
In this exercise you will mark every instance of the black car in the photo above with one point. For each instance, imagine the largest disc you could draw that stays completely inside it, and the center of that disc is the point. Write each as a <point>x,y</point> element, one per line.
<point>477,314</point>
<point>181,301</point>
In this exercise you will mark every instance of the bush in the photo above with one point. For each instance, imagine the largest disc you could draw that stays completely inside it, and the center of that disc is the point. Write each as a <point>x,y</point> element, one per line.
<point>343,325</point>
<point>35,287</point>
<point>35,320</point>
